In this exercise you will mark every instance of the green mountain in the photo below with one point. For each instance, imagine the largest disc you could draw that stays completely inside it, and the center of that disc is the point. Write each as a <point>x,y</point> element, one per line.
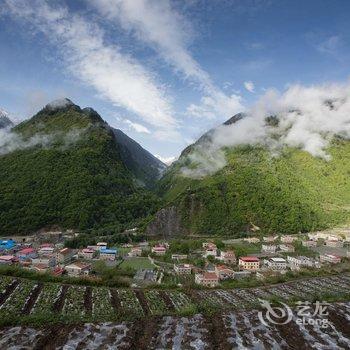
<point>65,166</point>
<point>289,193</point>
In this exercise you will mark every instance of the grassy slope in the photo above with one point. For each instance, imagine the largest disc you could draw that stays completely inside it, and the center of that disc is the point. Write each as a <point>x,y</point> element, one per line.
<point>291,193</point>
<point>78,185</point>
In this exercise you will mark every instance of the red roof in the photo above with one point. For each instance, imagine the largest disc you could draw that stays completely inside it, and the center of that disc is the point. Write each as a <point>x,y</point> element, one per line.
<point>210,276</point>
<point>249,259</point>
<point>26,251</point>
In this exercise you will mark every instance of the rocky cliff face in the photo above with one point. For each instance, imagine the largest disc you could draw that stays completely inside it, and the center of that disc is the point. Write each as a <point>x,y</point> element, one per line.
<point>167,222</point>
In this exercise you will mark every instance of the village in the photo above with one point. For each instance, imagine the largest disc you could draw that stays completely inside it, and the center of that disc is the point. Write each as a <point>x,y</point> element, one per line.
<point>206,263</point>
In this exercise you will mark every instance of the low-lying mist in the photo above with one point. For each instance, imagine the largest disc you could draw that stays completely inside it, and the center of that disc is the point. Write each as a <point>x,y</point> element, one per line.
<point>11,141</point>
<point>307,118</point>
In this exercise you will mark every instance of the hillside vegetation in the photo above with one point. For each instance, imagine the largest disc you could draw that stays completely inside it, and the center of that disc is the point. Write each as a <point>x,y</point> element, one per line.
<point>289,193</point>
<point>77,180</point>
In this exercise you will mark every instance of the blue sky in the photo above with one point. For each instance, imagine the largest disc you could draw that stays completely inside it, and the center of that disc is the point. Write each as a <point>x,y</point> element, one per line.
<point>166,71</point>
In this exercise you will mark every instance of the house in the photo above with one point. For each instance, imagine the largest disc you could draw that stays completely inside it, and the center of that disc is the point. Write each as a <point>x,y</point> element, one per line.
<point>330,258</point>
<point>241,274</point>
<point>87,253</point>
<point>224,272</point>
<point>48,260</point>
<point>134,252</point>
<point>183,269</point>
<point>309,243</point>
<point>46,250</point>
<point>207,279</point>
<point>26,253</point>
<point>251,240</point>
<point>41,268</point>
<point>228,257</point>
<point>145,276</point>
<point>78,268</point>
<point>334,243</point>
<point>297,262</point>
<point>64,256</point>
<point>58,271</point>
<point>270,239</point>
<point>108,254</point>
<point>249,263</point>
<point>210,249</point>
<point>268,248</point>
<point>286,248</point>
<point>159,249</point>
<point>8,259</point>
<point>179,256</point>
<point>288,239</point>
<point>277,264</point>
<point>7,244</point>
<point>101,245</point>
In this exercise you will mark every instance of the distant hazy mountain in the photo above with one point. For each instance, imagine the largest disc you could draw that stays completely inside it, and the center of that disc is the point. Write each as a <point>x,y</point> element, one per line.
<point>70,169</point>
<point>5,121</point>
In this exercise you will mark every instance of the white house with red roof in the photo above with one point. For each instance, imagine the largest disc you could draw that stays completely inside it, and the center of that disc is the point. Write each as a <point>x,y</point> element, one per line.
<point>207,279</point>
<point>159,249</point>
<point>330,258</point>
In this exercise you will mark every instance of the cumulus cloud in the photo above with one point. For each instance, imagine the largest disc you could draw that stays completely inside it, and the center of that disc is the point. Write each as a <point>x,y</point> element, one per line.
<point>249,85</point>
<point>161,26</point>
<point>307,118</point>
<point>116,77</point>
<point>137,127</point>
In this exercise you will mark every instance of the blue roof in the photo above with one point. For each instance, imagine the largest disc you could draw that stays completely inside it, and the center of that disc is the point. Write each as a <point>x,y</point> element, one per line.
<point>7,244</point>
<point>108,251</point>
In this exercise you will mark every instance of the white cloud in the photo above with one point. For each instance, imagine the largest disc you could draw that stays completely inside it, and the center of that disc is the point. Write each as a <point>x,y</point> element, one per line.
<point>166,160</point>
<point>330,45</point>
<point>308,118</point>
<point>162,27</point>
<point>116,77</point>
<point>249,85</point>
<point>137,127</point>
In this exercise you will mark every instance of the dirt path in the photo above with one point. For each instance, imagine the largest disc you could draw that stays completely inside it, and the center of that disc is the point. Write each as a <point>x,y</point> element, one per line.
<point>32,299</point>
<point>58,305</point>
<point>8,291</point>
<point>88,300</point>
<point>143,302</point>
<point>115,301</point>
<point>169,305</point>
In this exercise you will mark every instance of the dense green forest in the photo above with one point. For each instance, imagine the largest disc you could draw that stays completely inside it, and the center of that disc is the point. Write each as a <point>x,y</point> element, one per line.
<point>75,180</point>
<point>289,193</point>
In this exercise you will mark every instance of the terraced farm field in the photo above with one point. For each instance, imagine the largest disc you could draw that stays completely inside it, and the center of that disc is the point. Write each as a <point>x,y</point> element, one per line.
<point>28,300</point>
<point>240,330</point>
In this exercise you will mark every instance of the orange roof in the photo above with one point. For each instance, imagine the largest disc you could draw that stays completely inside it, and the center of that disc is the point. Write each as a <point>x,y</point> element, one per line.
<point>65,251</point>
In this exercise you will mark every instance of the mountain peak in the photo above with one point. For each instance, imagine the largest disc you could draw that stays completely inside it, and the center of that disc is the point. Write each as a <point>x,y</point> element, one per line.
<point>60,103</point>
<point>5,121</point>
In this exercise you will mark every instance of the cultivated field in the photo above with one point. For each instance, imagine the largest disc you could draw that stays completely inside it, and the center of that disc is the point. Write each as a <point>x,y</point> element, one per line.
<point>24,299</point>
<point>240,330</point>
